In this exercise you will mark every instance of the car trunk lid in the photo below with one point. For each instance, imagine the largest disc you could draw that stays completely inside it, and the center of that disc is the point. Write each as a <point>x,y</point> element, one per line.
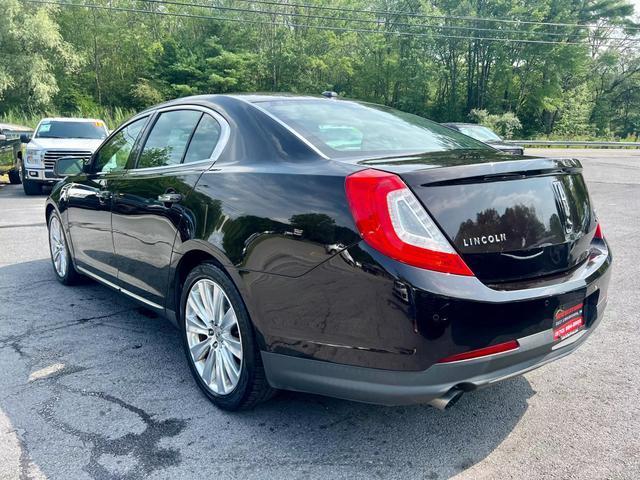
<point>510,219</point>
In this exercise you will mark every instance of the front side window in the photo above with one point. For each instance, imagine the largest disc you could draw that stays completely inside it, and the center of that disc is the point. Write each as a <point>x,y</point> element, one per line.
<point>347,129</point>
<point>113,155</point>
<point>93,130</point>
<point>168,139</point>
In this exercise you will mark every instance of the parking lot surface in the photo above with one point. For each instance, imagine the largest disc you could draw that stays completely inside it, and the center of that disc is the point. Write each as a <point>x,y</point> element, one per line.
<point>94,386</point>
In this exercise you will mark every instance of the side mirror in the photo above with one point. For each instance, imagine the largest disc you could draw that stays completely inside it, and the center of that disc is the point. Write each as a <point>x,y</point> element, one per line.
<point>68,166</point>
<point>24,138</point>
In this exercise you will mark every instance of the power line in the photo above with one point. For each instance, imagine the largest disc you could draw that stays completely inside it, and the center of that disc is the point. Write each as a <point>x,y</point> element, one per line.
<point>289,25</point>
<point>377,22</point>
<point>440,17</point>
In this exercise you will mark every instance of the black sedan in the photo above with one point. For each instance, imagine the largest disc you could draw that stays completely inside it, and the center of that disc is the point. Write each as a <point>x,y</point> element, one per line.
<point>486,135</point>
<point>334,247</point>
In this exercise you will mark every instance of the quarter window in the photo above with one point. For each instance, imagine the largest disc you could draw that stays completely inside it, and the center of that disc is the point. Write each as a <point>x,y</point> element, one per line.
<point>168,139</point>
<point>113,155</point>
<point>204,140</point>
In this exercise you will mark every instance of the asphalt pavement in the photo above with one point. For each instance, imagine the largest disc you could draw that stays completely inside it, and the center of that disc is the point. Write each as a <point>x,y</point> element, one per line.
<point>94,386</point>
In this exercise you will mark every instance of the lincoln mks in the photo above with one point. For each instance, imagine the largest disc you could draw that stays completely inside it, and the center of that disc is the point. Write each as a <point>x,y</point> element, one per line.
<point>336,247</point>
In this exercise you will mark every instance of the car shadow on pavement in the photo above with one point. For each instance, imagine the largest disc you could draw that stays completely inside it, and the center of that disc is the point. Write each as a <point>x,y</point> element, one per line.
<point>94,384</point>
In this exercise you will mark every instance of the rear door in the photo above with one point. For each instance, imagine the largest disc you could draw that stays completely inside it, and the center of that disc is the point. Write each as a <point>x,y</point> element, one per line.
<point>148,202</point>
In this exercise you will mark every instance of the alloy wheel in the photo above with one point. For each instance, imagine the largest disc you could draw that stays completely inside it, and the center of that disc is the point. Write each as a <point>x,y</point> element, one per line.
<point>213,336</point>
<point>58,246</point>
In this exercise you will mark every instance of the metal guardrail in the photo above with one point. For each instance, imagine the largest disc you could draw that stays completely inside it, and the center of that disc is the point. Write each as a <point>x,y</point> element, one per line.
<point>571,143</point>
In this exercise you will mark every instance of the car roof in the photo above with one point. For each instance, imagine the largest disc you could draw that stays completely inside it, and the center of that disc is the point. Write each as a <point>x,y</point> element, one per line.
<point>213,99</point>
<point>265,97</point>
<point>246,97</point>
<point>461,124</point>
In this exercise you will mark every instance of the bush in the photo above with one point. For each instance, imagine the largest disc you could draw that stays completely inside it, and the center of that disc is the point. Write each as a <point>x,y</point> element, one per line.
<point>146,94</point>
<point>505,124</point>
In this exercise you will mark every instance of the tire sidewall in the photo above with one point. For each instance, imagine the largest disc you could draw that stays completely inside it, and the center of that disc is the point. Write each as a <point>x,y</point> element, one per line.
<point>31,187</point>
<point>69,274</point>
<point>14,177</point>
<point>235,399</point>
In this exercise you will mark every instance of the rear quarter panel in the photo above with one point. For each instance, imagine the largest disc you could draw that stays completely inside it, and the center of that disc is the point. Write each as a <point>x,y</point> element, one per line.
<point>281,221</point>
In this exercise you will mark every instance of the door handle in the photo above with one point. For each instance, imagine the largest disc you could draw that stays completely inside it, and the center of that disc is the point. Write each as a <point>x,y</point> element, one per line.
<point>170,197</point>
<point>103,195</point>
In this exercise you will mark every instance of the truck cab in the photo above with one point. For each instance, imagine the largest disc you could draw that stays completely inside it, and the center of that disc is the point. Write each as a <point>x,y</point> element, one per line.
<point>55,138</point>
<point>11,137</point>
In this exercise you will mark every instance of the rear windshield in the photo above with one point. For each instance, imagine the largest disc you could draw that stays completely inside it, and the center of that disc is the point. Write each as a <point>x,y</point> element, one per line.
<point>56,129</point>
<point>345,128</point>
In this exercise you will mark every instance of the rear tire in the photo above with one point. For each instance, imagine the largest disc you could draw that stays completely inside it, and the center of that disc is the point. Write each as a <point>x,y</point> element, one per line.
<point>213,325</point>
<point>31,188</point>
<point>14,177</point>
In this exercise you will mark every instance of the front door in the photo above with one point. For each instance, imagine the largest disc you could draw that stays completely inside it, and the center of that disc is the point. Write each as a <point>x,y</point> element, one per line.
<point>149,201</point>
<point>90,201</point>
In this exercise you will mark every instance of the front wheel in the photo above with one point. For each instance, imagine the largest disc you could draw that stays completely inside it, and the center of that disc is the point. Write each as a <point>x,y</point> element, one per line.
<point>31,188</point>
<point>219,341</point>
<point>60,256</point>
<point>14,177</point>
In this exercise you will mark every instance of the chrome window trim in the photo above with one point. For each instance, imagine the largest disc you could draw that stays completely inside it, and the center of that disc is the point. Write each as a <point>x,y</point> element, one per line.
<point>285,125</point>
<point>225,134</point>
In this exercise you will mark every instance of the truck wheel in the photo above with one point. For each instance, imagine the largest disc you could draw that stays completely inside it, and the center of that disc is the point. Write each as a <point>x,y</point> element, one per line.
<point>31,188</point>
<point>14,177</point>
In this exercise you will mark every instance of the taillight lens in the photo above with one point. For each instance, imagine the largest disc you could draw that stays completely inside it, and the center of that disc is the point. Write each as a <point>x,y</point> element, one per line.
<point>598,235</point>
<point>483,352</point>
<point>390,219</point>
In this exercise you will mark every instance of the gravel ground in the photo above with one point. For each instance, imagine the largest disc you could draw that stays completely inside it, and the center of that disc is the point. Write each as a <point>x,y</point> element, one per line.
<point>93,386</point>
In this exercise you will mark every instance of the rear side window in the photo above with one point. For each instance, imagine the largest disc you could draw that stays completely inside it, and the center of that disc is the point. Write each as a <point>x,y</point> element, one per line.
<point>204,140</point>
<point>168,139</point>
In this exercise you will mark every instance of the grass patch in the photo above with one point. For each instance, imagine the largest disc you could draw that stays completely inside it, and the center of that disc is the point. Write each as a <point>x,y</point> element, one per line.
<point>112,116</point>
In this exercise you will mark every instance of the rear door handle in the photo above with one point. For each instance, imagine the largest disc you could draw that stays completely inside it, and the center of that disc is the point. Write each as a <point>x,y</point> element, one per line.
<point>104,195</point>
<point>170,197</point>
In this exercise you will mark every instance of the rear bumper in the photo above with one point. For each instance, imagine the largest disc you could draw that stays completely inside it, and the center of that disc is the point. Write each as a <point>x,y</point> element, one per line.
<point>366,310</point>
<point>391,387</point>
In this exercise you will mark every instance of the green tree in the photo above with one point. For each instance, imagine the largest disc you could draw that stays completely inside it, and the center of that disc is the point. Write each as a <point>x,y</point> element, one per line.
<point>33,55</point>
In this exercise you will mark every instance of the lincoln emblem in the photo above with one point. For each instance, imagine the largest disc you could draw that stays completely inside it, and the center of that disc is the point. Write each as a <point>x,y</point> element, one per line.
<point>484,239</point>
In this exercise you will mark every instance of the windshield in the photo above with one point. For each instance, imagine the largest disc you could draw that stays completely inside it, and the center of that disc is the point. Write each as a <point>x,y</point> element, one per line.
<point>95,130</point>
<point>479,132</point>
<point>349,129</point>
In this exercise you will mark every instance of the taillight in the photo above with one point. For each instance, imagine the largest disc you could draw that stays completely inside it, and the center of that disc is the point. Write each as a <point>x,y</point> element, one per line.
<point>391,220</point>
<point>598,235</point>
<point>482,352</point>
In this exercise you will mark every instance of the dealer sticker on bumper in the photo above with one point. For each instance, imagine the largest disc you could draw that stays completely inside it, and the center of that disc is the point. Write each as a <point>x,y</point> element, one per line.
<point>568,321</point>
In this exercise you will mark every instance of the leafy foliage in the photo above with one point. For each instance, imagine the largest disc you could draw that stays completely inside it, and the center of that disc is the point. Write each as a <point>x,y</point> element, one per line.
<point>87,60</point>
<point>504,124</point>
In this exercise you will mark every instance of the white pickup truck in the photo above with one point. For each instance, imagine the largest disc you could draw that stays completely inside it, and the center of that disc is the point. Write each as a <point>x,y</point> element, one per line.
<point>55,138</point>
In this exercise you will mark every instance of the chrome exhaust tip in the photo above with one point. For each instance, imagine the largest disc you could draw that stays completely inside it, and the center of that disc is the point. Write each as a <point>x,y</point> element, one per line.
<point>447,400</point>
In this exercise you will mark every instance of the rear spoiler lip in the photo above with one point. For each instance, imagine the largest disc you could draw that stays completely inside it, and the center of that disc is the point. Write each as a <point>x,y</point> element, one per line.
<point>487,172</point>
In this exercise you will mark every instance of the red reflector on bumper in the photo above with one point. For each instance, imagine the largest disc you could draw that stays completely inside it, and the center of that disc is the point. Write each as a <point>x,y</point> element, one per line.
<point>482,352</point>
